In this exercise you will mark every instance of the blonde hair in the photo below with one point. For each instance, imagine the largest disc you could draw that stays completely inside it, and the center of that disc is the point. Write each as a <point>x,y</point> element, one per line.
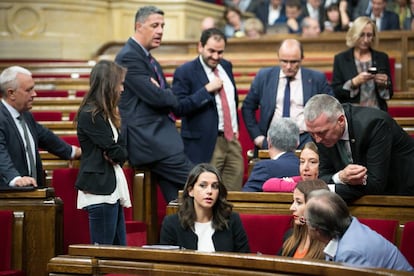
<point>354,32</point>
<point>253,24</point>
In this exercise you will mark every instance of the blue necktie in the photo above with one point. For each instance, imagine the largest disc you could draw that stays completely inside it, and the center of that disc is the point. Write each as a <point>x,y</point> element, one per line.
<point>286,99</point>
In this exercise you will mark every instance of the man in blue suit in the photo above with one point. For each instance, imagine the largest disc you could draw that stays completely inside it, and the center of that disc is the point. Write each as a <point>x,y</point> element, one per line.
<point>283,137</point>
<point>268,91</point>
<point>201,93</point>
<point>145,106</point>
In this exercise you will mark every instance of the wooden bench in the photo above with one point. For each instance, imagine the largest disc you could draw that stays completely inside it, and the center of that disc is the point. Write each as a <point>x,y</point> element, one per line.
<point>99,260</point>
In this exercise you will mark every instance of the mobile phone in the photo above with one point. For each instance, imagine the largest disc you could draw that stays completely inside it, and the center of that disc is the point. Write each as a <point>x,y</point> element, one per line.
<point>372,70</point>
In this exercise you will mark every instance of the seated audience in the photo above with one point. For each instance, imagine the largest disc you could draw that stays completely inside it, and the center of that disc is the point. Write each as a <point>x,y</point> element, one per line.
<point>314,9</point>
<point>310,27</point>
<point>272,15</point>
<point>361,149</point>
<point>283,139</point>
<point>384,20</point>
<point>402,9</point>
<point>208,23</point>
<point>353,79</point>
<point>336,18</point>
<point>205,221</point>
<point>293,16</point>
<point>242,5</point>
<point>234,23</point>
<point>253,28</point>
<point>21,136</point>
<point>347,240</point>
<point>308,169</point>
<point>298,243</point>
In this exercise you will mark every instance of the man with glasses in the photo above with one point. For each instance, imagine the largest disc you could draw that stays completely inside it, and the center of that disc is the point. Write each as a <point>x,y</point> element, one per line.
<point>362,150</point>
<point>282,91</point>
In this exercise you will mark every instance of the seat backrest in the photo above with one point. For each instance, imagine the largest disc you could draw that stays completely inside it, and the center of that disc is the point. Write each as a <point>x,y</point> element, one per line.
<point>6,238</point>
<point>386,228</point>
<point>54,116</point>
<point>407,242</point>
<point>75,221</point>
<point>265,232</point>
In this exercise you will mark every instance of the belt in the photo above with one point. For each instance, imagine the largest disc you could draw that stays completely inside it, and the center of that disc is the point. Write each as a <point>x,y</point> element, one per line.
<point>220,133</point>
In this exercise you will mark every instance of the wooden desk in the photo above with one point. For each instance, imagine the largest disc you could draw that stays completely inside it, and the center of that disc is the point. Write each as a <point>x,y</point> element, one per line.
<point>42,226</point>
<point>98,260</point>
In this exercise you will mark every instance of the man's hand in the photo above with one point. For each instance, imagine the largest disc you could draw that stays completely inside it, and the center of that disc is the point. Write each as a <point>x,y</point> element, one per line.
<point>353,175</point>
<point>258,141</point>
<point>25,181</point>
<point>214,85</point>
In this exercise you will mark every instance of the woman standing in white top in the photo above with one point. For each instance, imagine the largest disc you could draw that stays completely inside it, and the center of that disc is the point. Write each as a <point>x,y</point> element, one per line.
<point>101,183</point>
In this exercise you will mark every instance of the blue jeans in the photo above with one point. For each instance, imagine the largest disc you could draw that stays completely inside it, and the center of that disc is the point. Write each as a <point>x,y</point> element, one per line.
<point>107,223</point>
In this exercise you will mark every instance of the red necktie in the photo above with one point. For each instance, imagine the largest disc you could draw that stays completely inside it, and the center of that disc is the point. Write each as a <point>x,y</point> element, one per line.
<point>228,129</point>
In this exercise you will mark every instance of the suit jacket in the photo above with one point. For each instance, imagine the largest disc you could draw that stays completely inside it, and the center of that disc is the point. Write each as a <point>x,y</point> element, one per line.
<point>198,110</point>
<point>263,93</point>
<point>345,69</point>
<point>378,143</point>
<point>149,132</point>
<point>262,13</point>
<point>233,239</point>
<point>13,153</point>
<point>286,165</point>
<point>96,174</point>
<point>389,21</point>
<point>355,248</point>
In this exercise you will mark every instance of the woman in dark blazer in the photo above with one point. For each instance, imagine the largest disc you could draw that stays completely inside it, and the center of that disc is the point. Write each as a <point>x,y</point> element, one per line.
<point>362,75</point>
<point>205,221</point>
<point>101,183</point>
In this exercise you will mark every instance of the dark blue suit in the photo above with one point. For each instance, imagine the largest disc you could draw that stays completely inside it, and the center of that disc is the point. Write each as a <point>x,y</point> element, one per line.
<point>262,13</point>
<point>12,151</point>
<point>198,109</point>
<point>151,136</point>
<point>263,92</point>
<point>285,166</point>
<point>389,21</point>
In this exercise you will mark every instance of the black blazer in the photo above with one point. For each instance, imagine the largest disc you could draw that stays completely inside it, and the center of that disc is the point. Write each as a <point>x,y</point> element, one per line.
<point>150,134</point>
<point>96,174</point>
<point>378,143</point>
<point>233,239</point>
<point>12,151</point>
<point>344,69</point>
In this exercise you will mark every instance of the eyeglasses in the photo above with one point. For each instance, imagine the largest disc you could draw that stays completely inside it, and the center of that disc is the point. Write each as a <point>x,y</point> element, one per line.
<point>292,62</point>
<point>367,35</point>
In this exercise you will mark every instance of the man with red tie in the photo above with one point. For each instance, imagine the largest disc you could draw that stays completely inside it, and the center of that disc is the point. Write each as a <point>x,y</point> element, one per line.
<point>208,107</point>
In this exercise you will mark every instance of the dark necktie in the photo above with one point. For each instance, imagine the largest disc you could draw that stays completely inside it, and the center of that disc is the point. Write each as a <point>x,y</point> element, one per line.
<point>157,72</point>
<point>160,82</point>
<point>29,151</point>
<point>286,99</point>
<point>228,129</point>
<point>343,152</point>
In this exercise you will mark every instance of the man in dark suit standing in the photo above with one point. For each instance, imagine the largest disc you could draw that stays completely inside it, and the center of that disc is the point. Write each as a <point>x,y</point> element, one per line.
<point>283,137</point>
<point>146,104</point>
<point>362,150</point>
<point>201,85</point>
<point>21,136</point>
<point>282,88</point>
<point>385,20</point>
